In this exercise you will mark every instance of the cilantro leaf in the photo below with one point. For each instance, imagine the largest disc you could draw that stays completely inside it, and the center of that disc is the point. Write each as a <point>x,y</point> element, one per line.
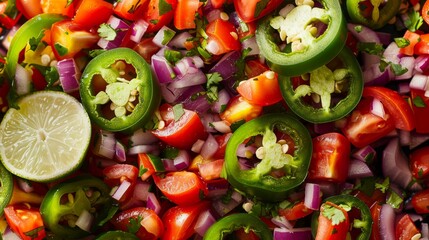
<point>402,42</point>
<point>260,6</point>
<point>414,20</point>
<point>35,41</point>
<point>383,186</point>
<point>164,7</point>
<point>334,214</point>
<point>69,2</point>
<point>394,199</point>
<point>107,32</point>
<point>178,111</point>
<point>61,49</point>
<point>419,102</point>
<point>134,224</point>
<point>213,79</point>
<point>398,69</point>
<point>371,48</point>
<point>50,73</point>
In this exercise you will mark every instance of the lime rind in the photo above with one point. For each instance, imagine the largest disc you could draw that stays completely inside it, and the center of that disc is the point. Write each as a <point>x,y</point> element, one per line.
<point>46,138</point>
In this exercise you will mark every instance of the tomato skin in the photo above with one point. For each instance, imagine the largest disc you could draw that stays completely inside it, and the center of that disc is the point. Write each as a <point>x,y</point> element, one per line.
<point>151,227</point>
<point>246,9</point>
<point>421,113</point>
<point>224,35</point>
<point>184,16</point>
<point>327,231</point>
<point>363,128</point>
<point>88,9</point>
<point>129,9</point>
<point>182,188</point>
<point>330,159</point>
<point>71,37</point>
<point>375,214</point>
<point>254,68</point>
<point>419,162</point>
<point>179,221</point>
<point>296,212</point>
<point>262,90</point>
<point>182,133</point>
<point>422,47</point>
<point>157,19</point>
<point>29,8</point>
<point>425,12</point>
<point>115,174</point>
<point>420,201</point>
<point>405,228</point>
<point>413,38</point>
<point>58,6</point>
<point>398,108</point>
<point>23,219</point>
<point>239,109</point>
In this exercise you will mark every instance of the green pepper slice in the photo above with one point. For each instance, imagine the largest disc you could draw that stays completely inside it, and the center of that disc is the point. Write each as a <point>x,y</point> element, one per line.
<point>117,235</point>
<point>313,50</point>
<point>66,201</point>
<point>362,221</point>
<point>258,182</point>
<point>374,14</point>
<point>331,92</point>
<point>6,187</point>
<point>118,90</point>
<point>227,225</point>
<point>30,29</point>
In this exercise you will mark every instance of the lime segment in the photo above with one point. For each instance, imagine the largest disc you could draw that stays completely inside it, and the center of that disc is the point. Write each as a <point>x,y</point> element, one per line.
<point>46,138</point>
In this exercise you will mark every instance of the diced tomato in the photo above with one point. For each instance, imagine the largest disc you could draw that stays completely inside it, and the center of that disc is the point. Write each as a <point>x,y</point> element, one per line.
<point>181,188</point>
<point>297,211</point>
<point>218,3</point>
<point>115,174</point>
<point>158,17</point>
<point>146,48</point>
<point>422,47</point>
<point>211,170</point>
<point>419,163</point>
<point>64,7</point>
<point>330,159</point>
<point>184,16</point>
<point>144,222</point>
<point>146,166</point>
<point>88,9</point>
<point>29,8</point>
<point>250,10</point>
<point>25,221</point>
<point>413,39</point>
<point>5,20</point>
<point>130,9</point>
<point>425,10</point>
<point>179,221</point>
<point>223,35</point>
<point>69,38</point>
<point>254,67</point>
<point>420,201</point>
<point>405,228</point>
<point>222,140</point>
<point>183,132</point>
<point>375,214</point>
<point>326,230</point>
<point>363,128</point>
<point>420,105</point>
<point>262,90</point>
<point>239,109</point>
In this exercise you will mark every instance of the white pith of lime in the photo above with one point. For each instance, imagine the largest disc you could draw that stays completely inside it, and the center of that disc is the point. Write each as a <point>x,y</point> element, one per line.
<point>46,138</point>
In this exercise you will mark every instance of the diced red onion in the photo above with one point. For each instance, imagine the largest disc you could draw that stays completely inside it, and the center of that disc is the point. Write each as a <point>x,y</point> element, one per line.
<point>377,108</point>
<point>422,63</point>
<point>395,165</point>
<point>419,82</point>
<point>408,63</point>
<point>358,169</point>
<point>222,208</point>
<point>171,94</point>
<point>387,222</point>
<point>161,39</point>
<point>121,28</point>
<point>69,75</point>
<point>210,147</point>
<point>226,65</point>
<point>25,185</point>
<point>213,15</point>
<point>141,136</point>
<point>207,118</point>
<point>425,230</point>
<point>245,151</point>
<point>236,196</point>
<point>120,191</point>
<point>250,43</point>
<point>144,148</point>
<point>404,137</point>
<point>197,146</point>
<point>292,234</point>
<point>366,154</point>
<point>213,46</point>
<point>85,220</point>
<point>8,234</point>
<point>22,80</point>
<point>181,162</point>
<point>169,165</point>
<point>192,77</point>
<point>141,190</point>
<point>8,39</point>
<point>222,101</point>
<point>179,40</point>
<point>404,87</point>
<point>138,29</point>
<point>198,104</point>
<point>204,221</point>
<point>163,69</point>
<point>120,152</point>
<point>312,196</point>
<point>105,145</point>
<point>221,126</point>
<point>373,76</point>
<point>282,222</point>
<point>217,188</point>
<point>385,38</point>
<point>417,139</point>
<point>391,53</point>
<point>153,203</point>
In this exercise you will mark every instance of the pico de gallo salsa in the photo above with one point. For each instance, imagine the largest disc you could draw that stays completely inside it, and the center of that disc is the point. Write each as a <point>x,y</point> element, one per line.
<point>225,119</point>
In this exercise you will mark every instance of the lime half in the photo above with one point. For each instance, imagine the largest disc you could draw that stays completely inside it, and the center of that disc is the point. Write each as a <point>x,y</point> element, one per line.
<point>46,138</point>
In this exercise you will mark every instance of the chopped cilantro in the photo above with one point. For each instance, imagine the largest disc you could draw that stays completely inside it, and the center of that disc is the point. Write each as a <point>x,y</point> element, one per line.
<point>178,111</point>
<point>260,6</point>
<point>383,186</point>
<point>170,152</point>
<point>168,35</point>
<point>414,20</point>
<point>213,79</point>
<point>134,7</point>
<point>107,32</point>
<point>394,199</point>
<point>236,125</point>
<point>134,224</point>
<point>96,52</point>
<point>358,28</point>
<point>371,48</point>
<point>419,102</point>
<point>34,233</point>
<point>398,69</point>
<point>334,214</point>
<point>142,170</point>
<point>402,42</point>
<point>69,2</point>
<point>201,194</point>
<point>164,7</point>
<point>61,49</point>
<point>50,73</point>
<point>34,42</point>
<point>172,55</point>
